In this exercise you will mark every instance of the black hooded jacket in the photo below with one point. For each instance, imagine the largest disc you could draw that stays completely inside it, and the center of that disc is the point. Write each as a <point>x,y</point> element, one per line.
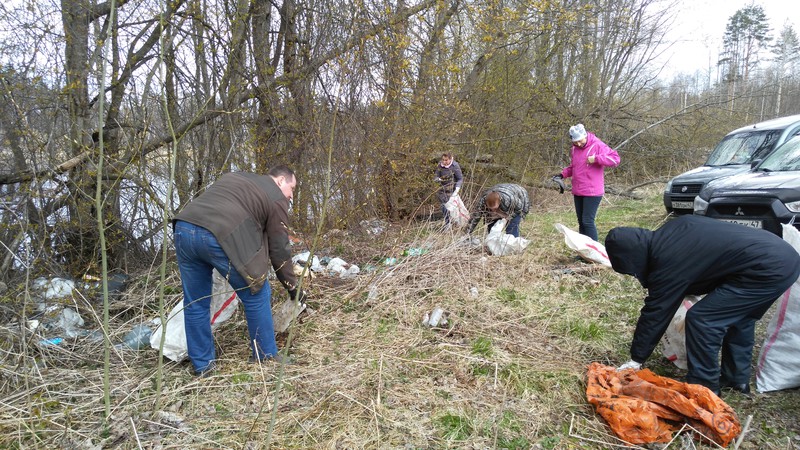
<point>694,255</point>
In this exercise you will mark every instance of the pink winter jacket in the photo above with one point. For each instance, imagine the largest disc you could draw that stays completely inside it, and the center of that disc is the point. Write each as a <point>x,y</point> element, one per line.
<point>587,179</point>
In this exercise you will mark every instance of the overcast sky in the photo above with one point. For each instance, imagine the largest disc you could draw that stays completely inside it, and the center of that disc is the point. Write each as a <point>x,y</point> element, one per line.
<point>700,25</point>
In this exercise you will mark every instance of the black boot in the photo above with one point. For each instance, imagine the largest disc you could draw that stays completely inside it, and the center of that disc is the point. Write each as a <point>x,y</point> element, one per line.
<point>744,388</point>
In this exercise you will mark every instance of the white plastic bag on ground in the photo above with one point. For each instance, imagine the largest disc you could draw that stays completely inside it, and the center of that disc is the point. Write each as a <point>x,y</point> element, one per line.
<point>302,259</point>
<point>587,247</point>
<point>223,304</point>
<point>341,267</point>
<point>779,361</point>
<point>459,214</point>
<point>674,339</point>
<point>500,243</point>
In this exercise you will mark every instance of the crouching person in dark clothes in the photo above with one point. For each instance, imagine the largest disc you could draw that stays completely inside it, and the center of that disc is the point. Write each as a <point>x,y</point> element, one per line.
<point>237,226</point>
<point>501,201</point>
<point>741,271</point>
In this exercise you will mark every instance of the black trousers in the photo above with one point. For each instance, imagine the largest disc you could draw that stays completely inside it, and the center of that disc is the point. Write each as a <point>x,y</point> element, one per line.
<point>724,320</point>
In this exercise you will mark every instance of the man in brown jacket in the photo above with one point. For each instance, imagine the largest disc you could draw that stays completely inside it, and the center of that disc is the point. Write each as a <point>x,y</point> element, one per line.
<point>237,226</point>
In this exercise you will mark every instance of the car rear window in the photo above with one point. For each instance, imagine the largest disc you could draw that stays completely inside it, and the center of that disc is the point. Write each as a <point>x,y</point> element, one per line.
<point>743,148</point>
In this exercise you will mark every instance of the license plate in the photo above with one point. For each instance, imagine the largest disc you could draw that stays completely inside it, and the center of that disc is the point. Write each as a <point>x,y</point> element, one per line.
<point>682,205</point>
<point>747,223</point>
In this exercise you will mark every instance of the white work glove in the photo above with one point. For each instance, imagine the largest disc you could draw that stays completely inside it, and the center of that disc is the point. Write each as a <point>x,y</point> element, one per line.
<point>455,192</point>
<point>590,159</point>
<point>630,365</point>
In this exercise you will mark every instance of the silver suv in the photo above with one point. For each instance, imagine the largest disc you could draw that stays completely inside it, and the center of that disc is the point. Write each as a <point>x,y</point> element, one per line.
<point>735,154</point>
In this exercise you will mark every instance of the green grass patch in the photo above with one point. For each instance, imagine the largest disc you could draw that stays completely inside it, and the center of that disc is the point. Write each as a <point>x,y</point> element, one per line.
<point>454,427</point>
<point>482,346</point>
<point>511,297</point>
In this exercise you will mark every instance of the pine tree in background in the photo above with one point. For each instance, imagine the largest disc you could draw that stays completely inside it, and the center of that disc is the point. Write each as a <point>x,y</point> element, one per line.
<point>746,34</point>
<point>787,55</point>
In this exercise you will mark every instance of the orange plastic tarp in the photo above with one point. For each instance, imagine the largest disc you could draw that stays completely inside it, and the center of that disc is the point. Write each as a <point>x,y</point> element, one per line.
<point>642,407</point>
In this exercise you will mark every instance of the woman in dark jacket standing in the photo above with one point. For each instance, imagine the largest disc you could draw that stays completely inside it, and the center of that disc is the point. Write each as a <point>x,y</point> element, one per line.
<point>448,174</point>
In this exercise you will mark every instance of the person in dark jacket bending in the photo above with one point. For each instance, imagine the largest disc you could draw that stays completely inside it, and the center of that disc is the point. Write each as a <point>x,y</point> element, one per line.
<point>501,201</point>
<point>237,226</point>
<point>741,271</point>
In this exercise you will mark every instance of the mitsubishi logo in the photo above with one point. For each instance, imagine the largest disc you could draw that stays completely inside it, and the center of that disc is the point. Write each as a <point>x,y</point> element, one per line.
<point>684,189</point>
<point>739,212</point>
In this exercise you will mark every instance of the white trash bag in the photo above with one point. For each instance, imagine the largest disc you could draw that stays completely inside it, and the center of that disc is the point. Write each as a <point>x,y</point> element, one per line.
<point>500,243</point>
<point>778,362</point>
<point>223,304</point>
<point>586,247</point>
<point>459,214</point>
<point>674,339</point>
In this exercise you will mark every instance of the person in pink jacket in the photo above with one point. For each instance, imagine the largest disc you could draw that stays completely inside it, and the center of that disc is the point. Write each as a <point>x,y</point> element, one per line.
<point>590,157</point>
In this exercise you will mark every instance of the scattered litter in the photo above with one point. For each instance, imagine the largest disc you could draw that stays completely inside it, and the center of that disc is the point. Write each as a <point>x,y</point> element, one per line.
<point>136,339</point>
<point>70,321</point>
<point>436,318</point>
<point>301,271</point>
<point>472,242</point>
<point>302,259</point>
<point>372,293</point>
<point>473,291</point>
<point>33,325</point>
<point>52,341</point>
<point>414,251</point>
<point>54,288</point>
<point>373,227</point>
<point>389,261</point>
<point>341,267</point>
<point>170,419</point>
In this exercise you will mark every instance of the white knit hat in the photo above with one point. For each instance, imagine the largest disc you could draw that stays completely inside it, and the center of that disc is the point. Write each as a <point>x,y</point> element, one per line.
<point>577,132</point>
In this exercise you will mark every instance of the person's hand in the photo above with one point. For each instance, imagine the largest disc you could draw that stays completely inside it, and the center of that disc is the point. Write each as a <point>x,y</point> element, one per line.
<point>590,159</point>
<point>299,295</point>
<point>558,176</point>
<point>630,365</point>
<point>437,179</point>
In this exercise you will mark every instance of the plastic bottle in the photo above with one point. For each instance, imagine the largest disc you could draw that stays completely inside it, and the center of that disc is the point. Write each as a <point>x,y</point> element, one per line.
<point>136,339</point>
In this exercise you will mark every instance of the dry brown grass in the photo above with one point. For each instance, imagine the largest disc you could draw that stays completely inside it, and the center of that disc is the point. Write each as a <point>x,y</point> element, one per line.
<point>505,372</point>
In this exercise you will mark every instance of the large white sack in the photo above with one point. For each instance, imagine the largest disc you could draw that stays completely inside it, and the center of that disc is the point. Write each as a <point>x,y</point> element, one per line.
<point>779,361</point>
<point>459,214</point>
<point>674,339</point>
<point>587,247</point>
<point>500,243</point>
<point>223,304</point>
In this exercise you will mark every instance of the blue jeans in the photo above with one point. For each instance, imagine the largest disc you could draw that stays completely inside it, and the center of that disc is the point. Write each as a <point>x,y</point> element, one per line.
<point>586,210</point>
<point>198,254</point>
<point>512,227</point>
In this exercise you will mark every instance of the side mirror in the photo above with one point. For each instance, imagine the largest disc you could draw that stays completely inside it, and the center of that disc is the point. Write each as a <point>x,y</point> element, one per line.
<point>755,163</point>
